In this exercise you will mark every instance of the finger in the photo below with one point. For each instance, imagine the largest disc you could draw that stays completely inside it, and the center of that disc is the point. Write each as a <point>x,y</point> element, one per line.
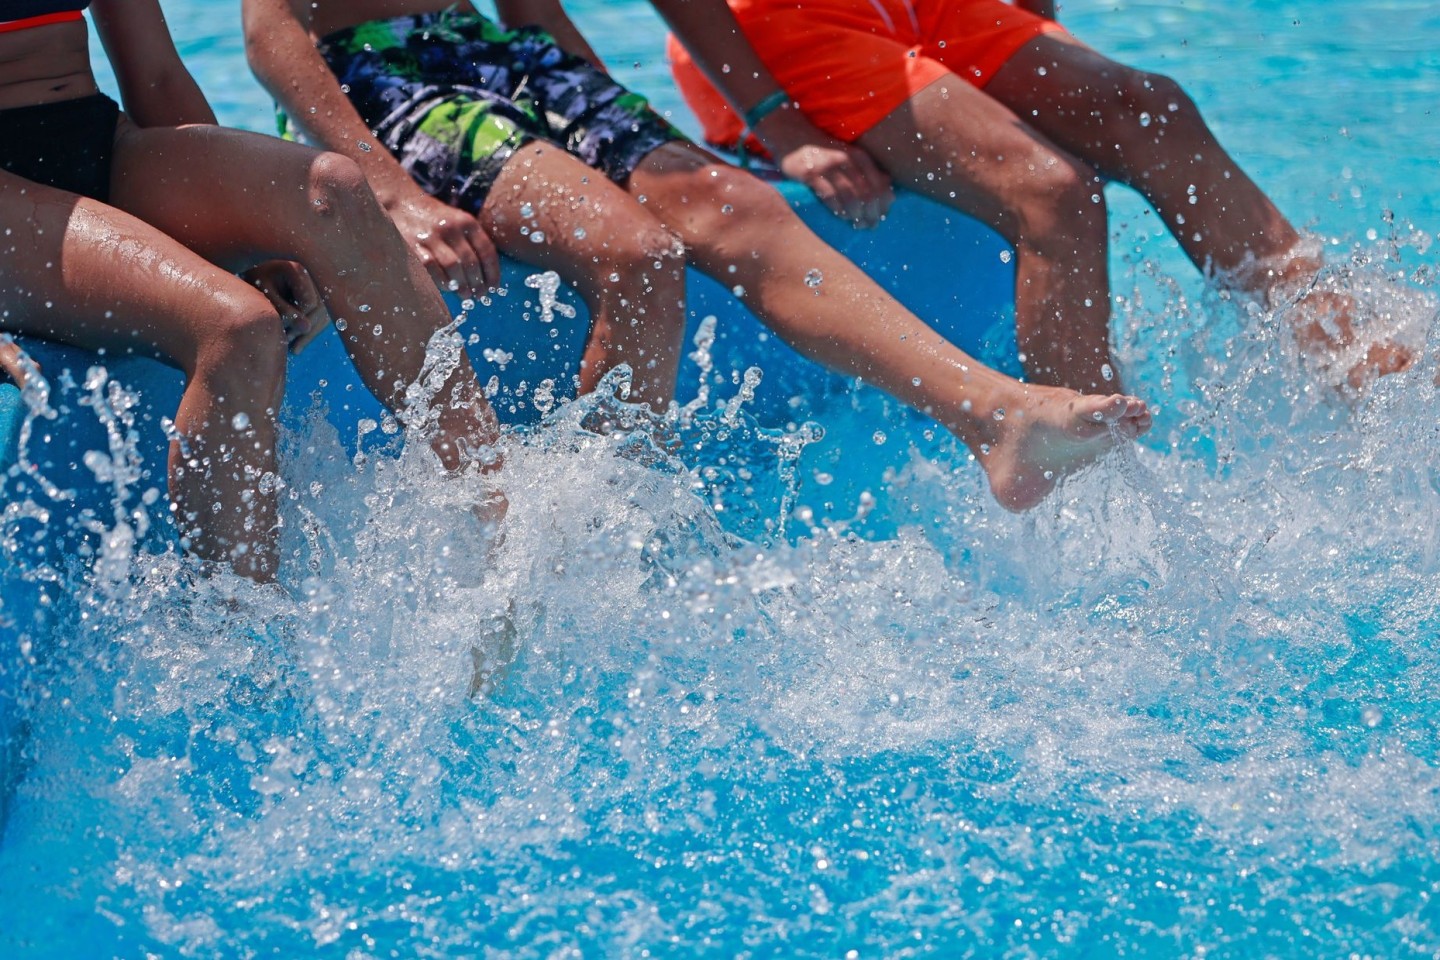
<point>467,261</point>
<point>305,294</point>
<point>825,192</point>
<point>279,299</point>
<point>875,183</point>
<point>427,260</point>
<point>486,253</point>
<point>445,266</point>
<point>315,324</point>
<point>848,195</point>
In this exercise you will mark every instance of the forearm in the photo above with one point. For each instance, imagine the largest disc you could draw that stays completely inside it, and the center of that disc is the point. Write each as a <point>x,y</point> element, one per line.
<point>171,99</point>
<point>155,86</point>
<point>713,36</point>
<point>290,68</point>
<point>551,17</point>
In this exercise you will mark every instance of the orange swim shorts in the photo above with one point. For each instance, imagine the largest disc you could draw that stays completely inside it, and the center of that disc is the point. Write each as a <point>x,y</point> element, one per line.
<point>849,63</point>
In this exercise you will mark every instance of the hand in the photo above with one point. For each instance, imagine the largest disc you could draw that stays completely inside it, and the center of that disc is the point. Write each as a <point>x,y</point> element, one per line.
<point>844,177</point>
<point>449,242</point>
<point>13,360</point>
<point>289,288</point>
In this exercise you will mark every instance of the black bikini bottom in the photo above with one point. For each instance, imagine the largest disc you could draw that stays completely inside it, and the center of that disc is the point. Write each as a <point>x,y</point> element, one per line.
<point>67,145</point>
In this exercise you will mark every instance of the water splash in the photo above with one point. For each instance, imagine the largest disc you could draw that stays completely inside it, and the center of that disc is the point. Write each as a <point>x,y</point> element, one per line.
<point>1183,707</point>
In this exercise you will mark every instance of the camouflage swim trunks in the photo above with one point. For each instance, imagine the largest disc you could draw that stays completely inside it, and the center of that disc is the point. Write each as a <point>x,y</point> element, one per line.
<point>453,96</point>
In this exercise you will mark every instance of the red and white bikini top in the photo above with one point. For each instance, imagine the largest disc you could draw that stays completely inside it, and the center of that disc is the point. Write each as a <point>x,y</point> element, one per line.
<point>24,14</point>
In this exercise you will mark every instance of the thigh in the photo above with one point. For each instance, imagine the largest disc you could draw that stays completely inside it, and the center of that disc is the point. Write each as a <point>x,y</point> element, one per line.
<point>1071,93</point>
<point>81,272</point>
<point>548,209</point>
<point>231,196</point>
<point>956,144</point>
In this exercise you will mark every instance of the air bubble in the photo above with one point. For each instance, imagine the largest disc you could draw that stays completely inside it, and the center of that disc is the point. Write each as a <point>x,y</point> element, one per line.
<point>1006,256</point>
<point>537,237</point>
<point>813,278</point>
<point>240,421</point>
<point>1107,371</point>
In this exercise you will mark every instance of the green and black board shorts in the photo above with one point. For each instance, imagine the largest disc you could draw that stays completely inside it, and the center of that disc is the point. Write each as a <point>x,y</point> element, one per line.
<point>453,95</point>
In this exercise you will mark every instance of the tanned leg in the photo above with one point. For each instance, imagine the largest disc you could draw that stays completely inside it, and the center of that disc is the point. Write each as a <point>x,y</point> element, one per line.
<point>1025,437</point>
<point>629,269</point>
<point>954,144</point>
<point>238,198</point>
<point>80,272</point>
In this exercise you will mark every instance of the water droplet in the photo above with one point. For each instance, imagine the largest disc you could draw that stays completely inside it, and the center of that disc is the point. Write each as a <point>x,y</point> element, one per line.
<point>240,421</point>
<point>1144,119</point>
<point>364,147</point>
<point>813,278</point>
<point>537,237</point>
<point>738,290</point>
<point>727,209</point>
<point>1049,474</point>
<point>579,233</point>
<point>999,414</point>
<point>340,323</point>
<point>984,448</point>
<point>1006,256</point>
<point>914,381</point>
<point>526,210</point>
<point>1097,415</point>
<point>363,308</point>
<point>614,278</point>
<point>1107,371</point>
<point>879,437</point>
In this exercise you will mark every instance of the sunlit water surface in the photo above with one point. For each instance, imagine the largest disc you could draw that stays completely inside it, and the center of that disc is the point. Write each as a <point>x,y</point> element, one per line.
<point>757,693</point>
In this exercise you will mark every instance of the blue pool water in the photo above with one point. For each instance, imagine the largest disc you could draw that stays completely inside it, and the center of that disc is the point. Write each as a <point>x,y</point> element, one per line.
<point>782,695</point>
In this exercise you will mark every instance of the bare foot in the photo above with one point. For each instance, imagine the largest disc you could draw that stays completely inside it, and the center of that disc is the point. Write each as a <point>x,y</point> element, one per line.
<point>1047,433</point>
<point>1324,323</point>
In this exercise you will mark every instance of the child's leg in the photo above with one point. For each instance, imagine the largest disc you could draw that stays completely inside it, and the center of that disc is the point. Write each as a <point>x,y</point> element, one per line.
<point>1024,436</point>
<point>1142,130</point>
<point>237,198</point>
<point>955,145</point>
<point>629,269</point>
<point>78,271</point>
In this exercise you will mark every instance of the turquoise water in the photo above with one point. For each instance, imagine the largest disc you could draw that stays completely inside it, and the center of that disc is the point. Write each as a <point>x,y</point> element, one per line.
<point>1186,709</point>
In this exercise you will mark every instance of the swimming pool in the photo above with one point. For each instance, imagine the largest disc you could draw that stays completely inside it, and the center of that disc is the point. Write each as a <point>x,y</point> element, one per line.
<point>783,697</point>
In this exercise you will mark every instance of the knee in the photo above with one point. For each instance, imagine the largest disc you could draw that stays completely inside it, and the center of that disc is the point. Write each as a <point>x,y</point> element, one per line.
<point>242,356</point>
<point>725,203</point>
<point>1061,200</point>
<point>1152,107</point>
<point>639,250</point>
<point>337,190</point>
